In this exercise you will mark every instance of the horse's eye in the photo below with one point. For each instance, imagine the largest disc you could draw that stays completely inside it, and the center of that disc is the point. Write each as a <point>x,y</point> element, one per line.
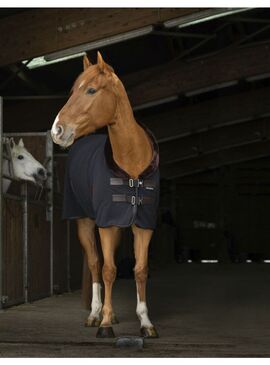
<point>20,157</point>
<point>91,90</point>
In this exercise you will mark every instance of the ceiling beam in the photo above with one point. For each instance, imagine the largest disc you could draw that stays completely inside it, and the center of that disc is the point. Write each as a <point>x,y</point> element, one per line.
<point>40,32</point>
<point>215,113</point>
<point>211,161</point>
<point>180,77</point>
<point>214,140</point>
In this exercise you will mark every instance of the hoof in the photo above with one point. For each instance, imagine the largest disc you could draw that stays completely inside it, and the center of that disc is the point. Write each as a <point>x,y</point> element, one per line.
<point>92,322</point>
<point>114,319</point>
<point>105,332</point>
<point>149,332</point>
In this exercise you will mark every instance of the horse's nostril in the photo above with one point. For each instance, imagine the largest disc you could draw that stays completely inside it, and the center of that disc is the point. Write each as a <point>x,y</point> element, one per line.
<point>41,172</point>
<point>59,130</point>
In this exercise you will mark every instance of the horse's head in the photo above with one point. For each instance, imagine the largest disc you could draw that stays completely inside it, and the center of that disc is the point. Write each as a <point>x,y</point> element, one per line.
<point>92,104</point>
<point>25,166</point>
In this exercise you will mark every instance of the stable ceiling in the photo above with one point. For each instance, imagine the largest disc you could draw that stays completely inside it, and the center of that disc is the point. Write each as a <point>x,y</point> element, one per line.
<point>202,89</point>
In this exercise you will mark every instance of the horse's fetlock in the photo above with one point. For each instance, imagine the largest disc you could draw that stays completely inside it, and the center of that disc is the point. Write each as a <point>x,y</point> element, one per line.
<point>141,309</point>
<point>107,311</point>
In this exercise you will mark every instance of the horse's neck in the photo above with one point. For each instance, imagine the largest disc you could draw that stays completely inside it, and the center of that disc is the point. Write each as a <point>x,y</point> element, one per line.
<point>131,147</point>
<point>6,182</point>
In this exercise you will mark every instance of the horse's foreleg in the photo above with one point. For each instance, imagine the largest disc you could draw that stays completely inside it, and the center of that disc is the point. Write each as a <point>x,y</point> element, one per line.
<point>142,239</point>
<point>86,233</point>
<point>109,238</point>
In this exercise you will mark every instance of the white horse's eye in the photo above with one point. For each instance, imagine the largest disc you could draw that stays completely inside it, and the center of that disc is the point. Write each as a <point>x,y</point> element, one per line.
<point>20,157</point>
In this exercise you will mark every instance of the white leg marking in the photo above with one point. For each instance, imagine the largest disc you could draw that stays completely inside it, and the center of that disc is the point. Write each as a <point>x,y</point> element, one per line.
<point>96,304</point>
<point>142,313</point>
<point>54,129</point>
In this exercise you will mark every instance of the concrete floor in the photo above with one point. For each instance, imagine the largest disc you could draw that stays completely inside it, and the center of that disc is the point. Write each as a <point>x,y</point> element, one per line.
<point>199,311</point>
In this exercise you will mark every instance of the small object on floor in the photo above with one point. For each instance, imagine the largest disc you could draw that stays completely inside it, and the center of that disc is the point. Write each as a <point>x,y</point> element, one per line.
<point>130,341</point>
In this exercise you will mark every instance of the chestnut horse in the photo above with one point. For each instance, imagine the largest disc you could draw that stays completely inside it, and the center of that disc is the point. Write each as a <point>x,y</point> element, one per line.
<point>99,99</point>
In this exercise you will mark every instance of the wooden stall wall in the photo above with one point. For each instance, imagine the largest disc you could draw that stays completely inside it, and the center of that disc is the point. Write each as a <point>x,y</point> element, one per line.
<point>27,230</point>
<point>53,251</point>
<point>38,230</point>
<point>13,286</point>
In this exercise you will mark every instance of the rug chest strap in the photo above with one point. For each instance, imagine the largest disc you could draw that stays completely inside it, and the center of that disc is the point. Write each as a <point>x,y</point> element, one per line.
<point>132,199</point>
<point>132,183</point>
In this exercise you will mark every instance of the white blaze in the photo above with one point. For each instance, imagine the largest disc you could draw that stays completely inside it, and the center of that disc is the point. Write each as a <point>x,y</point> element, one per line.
<point>54,128</point>
<point>81,84</point>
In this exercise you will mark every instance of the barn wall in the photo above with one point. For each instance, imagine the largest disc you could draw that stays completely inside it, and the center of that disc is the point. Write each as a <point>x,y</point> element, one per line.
<point>225,210</point>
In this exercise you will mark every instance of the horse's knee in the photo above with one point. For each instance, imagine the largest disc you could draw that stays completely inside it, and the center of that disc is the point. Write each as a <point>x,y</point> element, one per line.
<point>109,272</point>
<point>93,265</point>
<point>141,273</point>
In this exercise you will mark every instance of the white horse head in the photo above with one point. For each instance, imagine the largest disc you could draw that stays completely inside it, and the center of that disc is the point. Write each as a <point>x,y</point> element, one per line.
<point>25,166</point>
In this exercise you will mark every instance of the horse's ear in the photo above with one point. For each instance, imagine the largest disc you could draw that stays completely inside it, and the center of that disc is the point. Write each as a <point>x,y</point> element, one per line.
<point>12,142</point>
<point>21,144</point>
<point>100,62</point>
<point>86,62</point>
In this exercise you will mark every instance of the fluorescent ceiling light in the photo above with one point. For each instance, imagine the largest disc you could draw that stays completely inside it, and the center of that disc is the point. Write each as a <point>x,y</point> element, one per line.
<point>41,61</point>
<point>79,51</point>
<point>202,16</point>
<point>209,261</point>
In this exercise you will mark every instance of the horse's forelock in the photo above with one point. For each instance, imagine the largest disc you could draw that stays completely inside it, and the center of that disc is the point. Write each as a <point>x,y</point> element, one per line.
<point>89,75</point>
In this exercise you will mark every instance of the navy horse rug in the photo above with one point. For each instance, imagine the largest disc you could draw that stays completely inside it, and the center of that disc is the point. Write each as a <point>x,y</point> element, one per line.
<point>97,188</point>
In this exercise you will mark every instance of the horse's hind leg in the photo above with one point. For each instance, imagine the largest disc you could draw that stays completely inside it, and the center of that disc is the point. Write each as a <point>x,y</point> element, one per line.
<point>142,239</point>
<point>86,233</point>
<point>109,238</point>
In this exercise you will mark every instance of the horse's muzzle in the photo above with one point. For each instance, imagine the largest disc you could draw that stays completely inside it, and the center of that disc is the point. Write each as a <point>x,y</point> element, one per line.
<point>41,174</point>
<point>63,136</point>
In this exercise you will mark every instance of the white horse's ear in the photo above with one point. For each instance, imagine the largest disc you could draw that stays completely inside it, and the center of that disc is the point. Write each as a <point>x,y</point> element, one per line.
<point>21,144</point>
<point>12,142</point>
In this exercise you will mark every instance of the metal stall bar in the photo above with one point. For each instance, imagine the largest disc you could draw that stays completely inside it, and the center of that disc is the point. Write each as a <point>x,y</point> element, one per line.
<point>49,186</point>
<point>25,241</point>
<point>68,256</point>
<point>1,202</point>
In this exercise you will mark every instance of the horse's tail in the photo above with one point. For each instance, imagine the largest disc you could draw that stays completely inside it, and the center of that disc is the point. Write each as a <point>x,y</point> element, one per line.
<point>86,285</point>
